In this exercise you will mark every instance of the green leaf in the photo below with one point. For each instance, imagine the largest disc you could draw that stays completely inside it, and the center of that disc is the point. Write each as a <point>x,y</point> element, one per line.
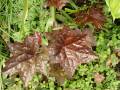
<point>114,7</point>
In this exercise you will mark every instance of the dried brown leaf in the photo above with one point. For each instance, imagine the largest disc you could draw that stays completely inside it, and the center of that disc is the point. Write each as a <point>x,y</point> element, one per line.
<point>117,52</point>
<point>99,77</point>
<point>109,62</point>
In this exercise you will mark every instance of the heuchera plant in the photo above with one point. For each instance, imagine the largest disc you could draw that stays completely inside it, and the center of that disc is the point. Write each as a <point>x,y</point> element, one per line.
<point>65,51</point>
<point>93,15</point>
<point>26,58</point>
<point>59,4</point>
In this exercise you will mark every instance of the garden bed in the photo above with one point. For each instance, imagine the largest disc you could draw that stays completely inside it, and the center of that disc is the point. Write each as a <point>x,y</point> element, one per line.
<point>77,40</point>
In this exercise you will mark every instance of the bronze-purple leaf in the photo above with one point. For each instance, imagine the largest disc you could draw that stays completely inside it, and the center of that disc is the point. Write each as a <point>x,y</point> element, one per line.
<point>65,51</point>
<point>69,48</point>
<point>59,4</point>
<point>93,15</point>
<point>26,59</point>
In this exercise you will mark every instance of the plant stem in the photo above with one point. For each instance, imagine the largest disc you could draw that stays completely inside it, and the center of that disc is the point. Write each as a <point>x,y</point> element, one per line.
<point>25,14</point>
<point>52,12</point>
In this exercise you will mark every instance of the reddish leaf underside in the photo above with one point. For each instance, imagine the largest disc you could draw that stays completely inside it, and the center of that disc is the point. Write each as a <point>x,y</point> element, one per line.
<point>69,48</point>
<point>93,15</point>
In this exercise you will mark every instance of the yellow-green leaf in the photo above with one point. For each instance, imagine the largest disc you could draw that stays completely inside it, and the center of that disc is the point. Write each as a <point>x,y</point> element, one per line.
<point>114,7</point>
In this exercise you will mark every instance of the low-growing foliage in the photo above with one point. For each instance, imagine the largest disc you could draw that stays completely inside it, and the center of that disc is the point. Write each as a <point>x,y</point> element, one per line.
<point>63,55</point>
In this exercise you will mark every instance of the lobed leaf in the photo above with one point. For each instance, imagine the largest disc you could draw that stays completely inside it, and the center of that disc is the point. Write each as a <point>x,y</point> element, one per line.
<point>69,48</point>
<point>65,51</point>
<point>26,59</point>
<point>93,15</point>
